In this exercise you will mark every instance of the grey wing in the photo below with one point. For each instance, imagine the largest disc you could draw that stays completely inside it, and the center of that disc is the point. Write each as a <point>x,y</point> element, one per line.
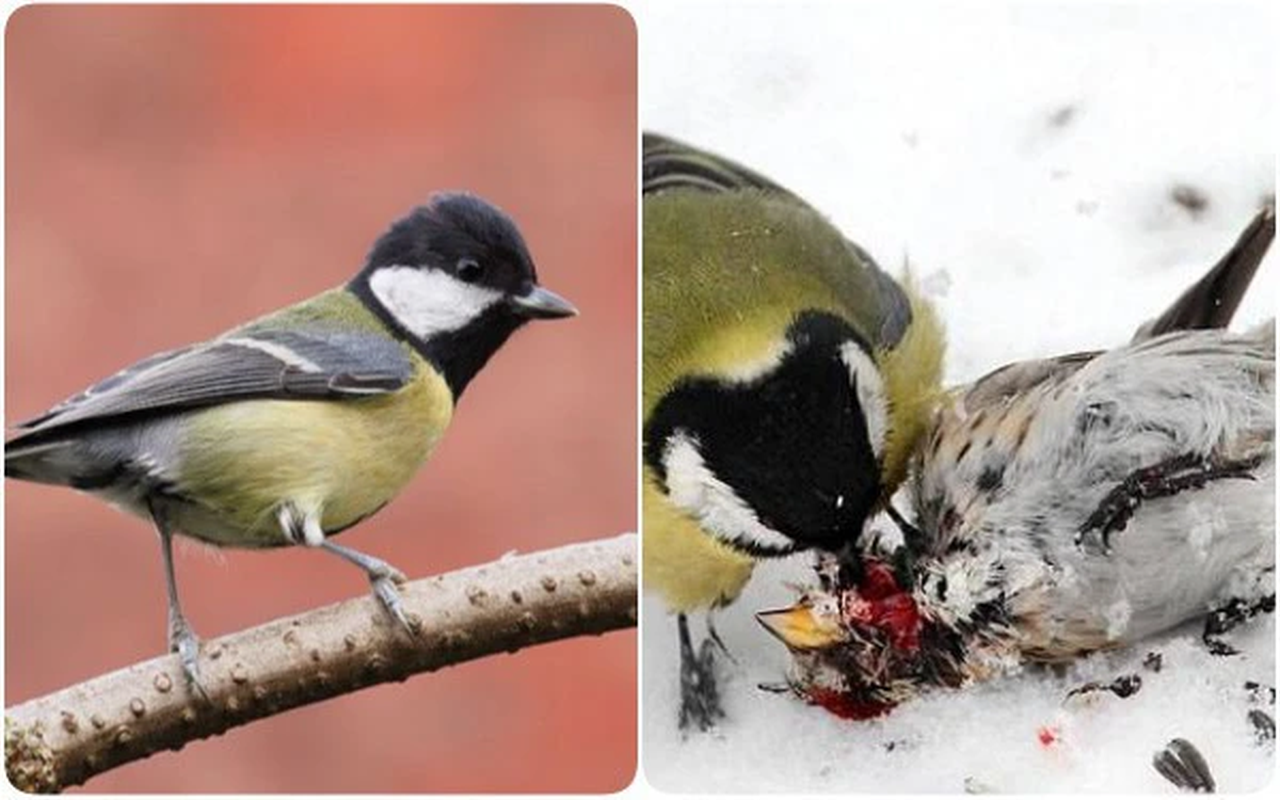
<point>1022,377</point>
<point>289,365</point>
<point>1061,432</point>
<point>976,436</point>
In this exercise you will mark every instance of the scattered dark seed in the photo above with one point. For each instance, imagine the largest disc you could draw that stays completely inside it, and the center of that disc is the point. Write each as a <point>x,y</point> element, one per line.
<point>1260,692</point>
<point>1264,727</point>
<point>1062,116</point>
<point>1182,765</point>
<point>1191,198</point>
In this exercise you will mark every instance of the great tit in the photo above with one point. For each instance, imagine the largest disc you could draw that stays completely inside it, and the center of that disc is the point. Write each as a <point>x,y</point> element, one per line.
<point>1068,505</point>
<point>292,428</point>
<point>786,379</point>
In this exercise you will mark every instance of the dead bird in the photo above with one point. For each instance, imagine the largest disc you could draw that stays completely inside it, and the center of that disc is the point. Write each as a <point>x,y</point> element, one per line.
<point>1066,505</point>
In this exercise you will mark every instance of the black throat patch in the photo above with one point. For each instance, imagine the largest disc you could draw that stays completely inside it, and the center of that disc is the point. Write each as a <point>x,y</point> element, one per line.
<point>792,443</point>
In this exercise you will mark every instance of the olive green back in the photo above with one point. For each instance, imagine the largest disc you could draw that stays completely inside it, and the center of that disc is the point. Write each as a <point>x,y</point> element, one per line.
<point>719,261</point>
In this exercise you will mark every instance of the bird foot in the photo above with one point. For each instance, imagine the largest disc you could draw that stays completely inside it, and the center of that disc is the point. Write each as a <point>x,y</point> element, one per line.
<point>184,642</point>
<point>385,588</point>
<point>1165,479</point>
<point>699,690</point>
<point>383,578</point>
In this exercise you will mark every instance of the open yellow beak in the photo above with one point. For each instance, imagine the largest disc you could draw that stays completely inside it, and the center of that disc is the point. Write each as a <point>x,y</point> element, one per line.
<point>799,629</point>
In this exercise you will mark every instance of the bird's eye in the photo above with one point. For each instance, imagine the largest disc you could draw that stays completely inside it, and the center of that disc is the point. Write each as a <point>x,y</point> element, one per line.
<point>469,270</point>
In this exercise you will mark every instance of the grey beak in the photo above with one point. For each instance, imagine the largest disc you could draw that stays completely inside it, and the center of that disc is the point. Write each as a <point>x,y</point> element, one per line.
<point>539,303</point>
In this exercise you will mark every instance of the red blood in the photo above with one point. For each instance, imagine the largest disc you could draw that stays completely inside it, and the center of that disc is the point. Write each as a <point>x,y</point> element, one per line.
<point>1047,735</point>
<point>879,582</point>
<point>899,616</point>
<point>846,706</point>
<point>881,604</point>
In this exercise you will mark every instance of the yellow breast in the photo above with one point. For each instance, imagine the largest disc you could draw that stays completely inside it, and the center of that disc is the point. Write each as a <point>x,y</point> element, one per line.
<point>339,459</point>
<point>689,568</point>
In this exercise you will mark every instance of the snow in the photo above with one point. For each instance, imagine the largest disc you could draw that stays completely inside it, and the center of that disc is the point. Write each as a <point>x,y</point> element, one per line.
<point>1054,176</point>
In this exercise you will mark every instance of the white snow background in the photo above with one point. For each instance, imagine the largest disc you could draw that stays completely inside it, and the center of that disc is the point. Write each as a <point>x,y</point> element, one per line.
<point>1024,159</point>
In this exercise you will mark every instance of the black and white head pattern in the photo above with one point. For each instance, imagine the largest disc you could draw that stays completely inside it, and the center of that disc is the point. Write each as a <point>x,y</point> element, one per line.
<point>782,455</point>
<point>455,278</point>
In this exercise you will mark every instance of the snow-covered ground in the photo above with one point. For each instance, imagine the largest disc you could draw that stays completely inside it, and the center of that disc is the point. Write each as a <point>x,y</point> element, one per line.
<point>1028,161</point>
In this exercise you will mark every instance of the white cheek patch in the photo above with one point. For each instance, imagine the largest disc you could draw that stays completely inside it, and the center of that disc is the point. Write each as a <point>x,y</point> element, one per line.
<point>870,387</point>
<point>717,507</point>
<point>427,301</point>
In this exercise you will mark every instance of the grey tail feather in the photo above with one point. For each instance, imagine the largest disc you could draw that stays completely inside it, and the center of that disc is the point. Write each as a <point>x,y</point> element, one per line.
<point>29,462</point>
<point>1212,301</point>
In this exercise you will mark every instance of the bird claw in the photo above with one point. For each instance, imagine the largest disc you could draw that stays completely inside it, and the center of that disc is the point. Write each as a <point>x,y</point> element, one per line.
<point>1094,540</point>
<point>1164,479</point>
<point>184,642</point>
<point>384,588</point>
<point>699,693</point>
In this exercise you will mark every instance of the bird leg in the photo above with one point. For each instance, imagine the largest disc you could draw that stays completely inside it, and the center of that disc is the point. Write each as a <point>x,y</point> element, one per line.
<point>699,695</point>
<point>713,636</point>
<point>1234,612</point>
<point>383,577</point>
<point>182,640</point>
<point>1165,479</point>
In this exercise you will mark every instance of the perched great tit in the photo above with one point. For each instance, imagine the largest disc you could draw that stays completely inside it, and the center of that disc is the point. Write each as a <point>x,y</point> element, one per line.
<point>298,425</point>
<point>786,381</point>
<point>1068,505</point>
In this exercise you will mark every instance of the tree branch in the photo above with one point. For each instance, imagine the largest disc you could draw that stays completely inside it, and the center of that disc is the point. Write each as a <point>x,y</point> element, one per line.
<point>65,738</point>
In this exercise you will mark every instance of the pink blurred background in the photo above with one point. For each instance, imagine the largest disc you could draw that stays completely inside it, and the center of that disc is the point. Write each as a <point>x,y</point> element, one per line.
<point>173,171</point>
